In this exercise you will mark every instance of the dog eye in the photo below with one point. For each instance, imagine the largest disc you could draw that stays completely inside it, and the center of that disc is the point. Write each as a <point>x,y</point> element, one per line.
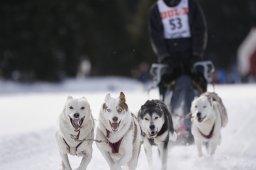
<point>156,118</point>
<point>70,107</point>
<point>204,107</point>
<point>108,110</point>
<point>82,108</point>
<point>146,119</point>
<point>195,106</point>
<point>119,110</point>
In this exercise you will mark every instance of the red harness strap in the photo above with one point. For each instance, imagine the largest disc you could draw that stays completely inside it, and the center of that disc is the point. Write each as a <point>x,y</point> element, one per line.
<point>114,146</point>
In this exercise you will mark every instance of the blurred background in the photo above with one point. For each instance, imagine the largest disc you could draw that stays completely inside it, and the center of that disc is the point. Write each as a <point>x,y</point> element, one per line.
<point>51,49</point>
<point>52,40</point>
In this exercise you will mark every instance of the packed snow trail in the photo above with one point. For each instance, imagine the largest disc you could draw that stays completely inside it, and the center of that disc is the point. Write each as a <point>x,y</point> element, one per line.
<point>29,121</point>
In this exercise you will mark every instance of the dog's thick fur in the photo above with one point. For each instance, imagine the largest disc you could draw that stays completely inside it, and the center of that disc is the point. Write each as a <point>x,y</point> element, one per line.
<point>157,127</point>
<point>76,131</point>
<point>209,115</point>
<point>119,132</point>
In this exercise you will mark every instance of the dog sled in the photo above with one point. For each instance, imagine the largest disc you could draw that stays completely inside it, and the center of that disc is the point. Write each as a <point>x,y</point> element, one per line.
<point>179,94</point>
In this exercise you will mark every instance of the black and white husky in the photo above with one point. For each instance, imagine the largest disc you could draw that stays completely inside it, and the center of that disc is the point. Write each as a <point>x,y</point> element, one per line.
<point>157,128</point>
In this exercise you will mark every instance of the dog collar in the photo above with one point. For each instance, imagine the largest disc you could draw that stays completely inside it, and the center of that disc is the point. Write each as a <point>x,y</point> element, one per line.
<point>210,134</point>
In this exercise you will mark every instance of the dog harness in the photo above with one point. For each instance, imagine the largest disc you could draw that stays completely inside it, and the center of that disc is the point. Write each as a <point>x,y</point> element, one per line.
<point>209,135</point>
<point>76,137</point>
<point>115,146</point>
<point>69,146</point>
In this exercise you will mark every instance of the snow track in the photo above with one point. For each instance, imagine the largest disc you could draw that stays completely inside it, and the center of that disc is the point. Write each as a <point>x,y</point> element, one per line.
<point>28,126</point>
<point>34,150</point>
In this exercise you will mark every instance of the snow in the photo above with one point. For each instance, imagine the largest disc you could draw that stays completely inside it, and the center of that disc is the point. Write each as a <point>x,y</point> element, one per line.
<point>29,115</point>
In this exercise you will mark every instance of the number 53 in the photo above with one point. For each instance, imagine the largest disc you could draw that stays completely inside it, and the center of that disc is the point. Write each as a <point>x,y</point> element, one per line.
<point>175,23</point>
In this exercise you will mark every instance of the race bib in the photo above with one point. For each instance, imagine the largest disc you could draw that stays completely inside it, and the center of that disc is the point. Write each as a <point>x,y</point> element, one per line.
<point>175,20</point>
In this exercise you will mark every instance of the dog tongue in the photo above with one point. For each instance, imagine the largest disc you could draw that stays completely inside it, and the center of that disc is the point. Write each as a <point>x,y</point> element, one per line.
<point>76,123</point>
<point>114,125</point>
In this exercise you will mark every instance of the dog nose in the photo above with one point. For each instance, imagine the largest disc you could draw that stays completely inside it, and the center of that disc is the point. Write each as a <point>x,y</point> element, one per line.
<point>152,127</point>
<point>76,115</point>
<point>198,114</point>
<point>115,119</point>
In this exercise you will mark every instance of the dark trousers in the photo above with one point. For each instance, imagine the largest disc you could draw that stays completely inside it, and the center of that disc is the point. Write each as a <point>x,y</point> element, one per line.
<point>198,80</point>
<point>181,63</point>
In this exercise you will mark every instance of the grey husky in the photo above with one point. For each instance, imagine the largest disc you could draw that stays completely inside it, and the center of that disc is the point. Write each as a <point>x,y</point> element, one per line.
<point>157,128</point>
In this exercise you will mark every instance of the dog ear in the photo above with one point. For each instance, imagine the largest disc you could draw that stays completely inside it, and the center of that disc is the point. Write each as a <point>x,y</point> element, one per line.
<point>122,103</point>
<point>107,97</point>
<point>67,101</point>
<point>122,97</point>
<point>84,98</point>
<point>104,106</point>
<point>69,98</point>
<point>210,99</point>
<point>86,102</point>
<point>139,115</point>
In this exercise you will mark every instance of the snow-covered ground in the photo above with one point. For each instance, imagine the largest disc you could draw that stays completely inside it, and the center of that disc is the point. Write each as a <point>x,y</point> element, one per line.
<point>28,118</point>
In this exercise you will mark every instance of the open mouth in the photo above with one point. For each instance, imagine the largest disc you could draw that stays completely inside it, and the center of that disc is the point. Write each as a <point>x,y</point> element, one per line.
<point>114,125</point>
<point>76,122</point>
<point>152,134</point>
<point>200,119</point>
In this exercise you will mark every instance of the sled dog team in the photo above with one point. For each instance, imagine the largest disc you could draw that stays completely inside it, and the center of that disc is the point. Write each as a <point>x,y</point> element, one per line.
<point>120,133</point>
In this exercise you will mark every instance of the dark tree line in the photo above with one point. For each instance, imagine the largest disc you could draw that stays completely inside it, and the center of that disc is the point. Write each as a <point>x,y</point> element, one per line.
<point>46,39</point>
<point>229,22</point>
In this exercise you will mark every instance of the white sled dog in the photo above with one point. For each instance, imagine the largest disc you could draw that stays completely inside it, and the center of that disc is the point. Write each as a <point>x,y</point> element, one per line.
<point>209,115</point>
<point>157,127</point>
<point>119,132</point>
<point>76,131</point>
